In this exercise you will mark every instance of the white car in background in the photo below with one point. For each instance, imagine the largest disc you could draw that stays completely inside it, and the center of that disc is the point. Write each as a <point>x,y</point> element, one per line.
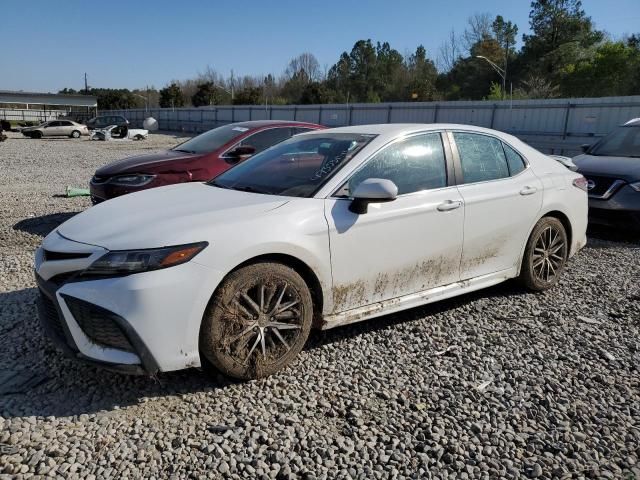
<point>327,228</point>
<point>56,128</point>
<point>115,132</point>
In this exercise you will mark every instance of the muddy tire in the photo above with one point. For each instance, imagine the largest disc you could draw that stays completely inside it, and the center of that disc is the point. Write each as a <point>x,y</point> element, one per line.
<point>257,322</point>
<point>545,255</point>
<point>75,134</point>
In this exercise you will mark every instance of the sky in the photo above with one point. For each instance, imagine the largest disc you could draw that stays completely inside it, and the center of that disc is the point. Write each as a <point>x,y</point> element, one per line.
<point>132,44</point>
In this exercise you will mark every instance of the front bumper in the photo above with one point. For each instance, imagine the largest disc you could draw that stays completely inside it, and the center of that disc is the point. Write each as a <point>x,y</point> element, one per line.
<point>53,321</point>
<point>622,210</point>
<point>142,323</point>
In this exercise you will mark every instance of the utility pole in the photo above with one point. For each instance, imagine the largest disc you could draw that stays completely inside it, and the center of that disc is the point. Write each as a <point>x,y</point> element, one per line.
<point>86,86</point>
<point>231,85</point>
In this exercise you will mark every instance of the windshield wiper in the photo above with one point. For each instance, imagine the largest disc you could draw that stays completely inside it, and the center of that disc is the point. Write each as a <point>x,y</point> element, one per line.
<point>216,184</point>
<point>247,188</point>
<point>183,151</point>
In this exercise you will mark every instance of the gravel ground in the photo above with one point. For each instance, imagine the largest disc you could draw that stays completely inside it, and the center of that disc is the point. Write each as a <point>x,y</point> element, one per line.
<point>500,383</point>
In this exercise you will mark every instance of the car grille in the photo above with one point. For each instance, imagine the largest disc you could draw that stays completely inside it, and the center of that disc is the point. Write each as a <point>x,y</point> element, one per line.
<point>603,187</point>
<point>50,317</point>
<point>51,255</point>
<point>98,324</point>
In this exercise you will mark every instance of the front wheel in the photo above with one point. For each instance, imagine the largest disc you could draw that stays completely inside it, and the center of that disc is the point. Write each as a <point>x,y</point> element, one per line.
<point>257,322</point>
<point>545,255</point>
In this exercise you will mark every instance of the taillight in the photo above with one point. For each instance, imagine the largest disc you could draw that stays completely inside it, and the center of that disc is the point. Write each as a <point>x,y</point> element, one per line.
<point>581,183</point>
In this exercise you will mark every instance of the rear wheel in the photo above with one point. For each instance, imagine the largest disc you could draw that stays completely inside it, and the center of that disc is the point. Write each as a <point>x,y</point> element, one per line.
<point>257,322</point>
<point>546,255</point>
<point>75,134</point>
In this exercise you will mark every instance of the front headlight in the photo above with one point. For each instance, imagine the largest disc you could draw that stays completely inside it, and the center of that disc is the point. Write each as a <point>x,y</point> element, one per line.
<point>635,186</point>
<point>132,180</point>
<point>125,262</point>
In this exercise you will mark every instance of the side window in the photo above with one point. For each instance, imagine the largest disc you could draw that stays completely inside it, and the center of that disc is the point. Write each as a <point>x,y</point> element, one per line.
<point>297,130</point>
<point>414,164</point>
<point>54,124</point>
<point>267,138</point>
<point>481,156</point>
<point>515,161</point>
<point>66,124</point>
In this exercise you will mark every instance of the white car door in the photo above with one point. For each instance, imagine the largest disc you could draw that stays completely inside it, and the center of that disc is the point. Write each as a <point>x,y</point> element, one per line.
<point>50,129</point>
<point>502,198</point>
<point>410,244</point>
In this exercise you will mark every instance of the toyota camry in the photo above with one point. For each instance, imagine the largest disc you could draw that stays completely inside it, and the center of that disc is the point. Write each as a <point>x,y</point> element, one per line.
<point>327,228</point>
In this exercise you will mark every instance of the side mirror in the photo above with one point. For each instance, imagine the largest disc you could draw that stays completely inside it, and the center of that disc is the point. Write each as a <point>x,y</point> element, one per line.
<point>241,153</point>
<point>585,147</point>
<point>372,190</point>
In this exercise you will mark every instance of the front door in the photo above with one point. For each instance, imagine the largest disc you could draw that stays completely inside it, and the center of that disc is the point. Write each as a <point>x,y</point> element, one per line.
<point>502,199</point>
<point>404,246</point>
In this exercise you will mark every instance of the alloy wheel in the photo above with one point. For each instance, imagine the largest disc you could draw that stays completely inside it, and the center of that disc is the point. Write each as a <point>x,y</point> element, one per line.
<point>549,254</point>
<point>264,319</point>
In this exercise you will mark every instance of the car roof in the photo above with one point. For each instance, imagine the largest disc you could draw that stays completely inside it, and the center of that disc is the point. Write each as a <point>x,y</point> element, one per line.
<point>271,123</point>
<point>397,129</point>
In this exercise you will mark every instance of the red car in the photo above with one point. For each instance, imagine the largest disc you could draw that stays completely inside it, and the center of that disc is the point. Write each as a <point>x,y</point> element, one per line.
<point>196,160</point>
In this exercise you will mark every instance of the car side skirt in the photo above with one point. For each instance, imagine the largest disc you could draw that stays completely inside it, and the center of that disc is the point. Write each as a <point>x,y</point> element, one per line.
<point>416,299</point>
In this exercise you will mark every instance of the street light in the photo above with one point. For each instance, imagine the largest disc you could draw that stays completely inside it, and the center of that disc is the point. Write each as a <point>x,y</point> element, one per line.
<point>146,101</point>
<point>500,71</point>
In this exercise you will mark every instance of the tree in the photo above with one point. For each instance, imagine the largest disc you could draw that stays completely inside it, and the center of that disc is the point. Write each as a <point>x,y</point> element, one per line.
<point>450,52</point>
<point>611,70</point>
<point>478,28</point>
<point>422,76</point>
<point>505,34</point>
<point>305,66</point>
<point>248,96</point>
<point>206,94</point>
<point>561,30</point>
<point>171,96</point>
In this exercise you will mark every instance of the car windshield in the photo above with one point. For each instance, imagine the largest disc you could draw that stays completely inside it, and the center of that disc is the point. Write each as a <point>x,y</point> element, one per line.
<point>622,142</point>
<point>212,140</point>
<point>297,167</point>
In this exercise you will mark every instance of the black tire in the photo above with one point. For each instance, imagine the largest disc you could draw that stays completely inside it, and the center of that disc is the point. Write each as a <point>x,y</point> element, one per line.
<point>545,256</point>
<point>242,343</point>
<point>36,134</point>
<point>138,137</point>
<point>75,134</point>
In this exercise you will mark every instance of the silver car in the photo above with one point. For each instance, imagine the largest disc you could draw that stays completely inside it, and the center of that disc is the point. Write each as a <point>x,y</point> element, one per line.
<point>56,128</point>
<point>612,169</point>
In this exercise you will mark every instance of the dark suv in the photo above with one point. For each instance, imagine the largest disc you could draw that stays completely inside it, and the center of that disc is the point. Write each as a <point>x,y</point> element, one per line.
<point>105,121</point>
<point>612,169</point>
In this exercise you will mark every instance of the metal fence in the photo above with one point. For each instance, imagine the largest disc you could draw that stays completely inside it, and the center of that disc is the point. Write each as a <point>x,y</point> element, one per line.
<point>30,115</point>
<point>554,126</point>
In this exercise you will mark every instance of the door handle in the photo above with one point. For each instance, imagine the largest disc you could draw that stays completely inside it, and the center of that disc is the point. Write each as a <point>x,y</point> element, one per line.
<point>528,190</point>
<point>449,205</point>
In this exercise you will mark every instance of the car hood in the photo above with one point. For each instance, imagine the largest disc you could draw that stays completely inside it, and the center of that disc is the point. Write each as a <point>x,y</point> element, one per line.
<point>149,163</point>
<point>171,215</point>
<point>626,168</point>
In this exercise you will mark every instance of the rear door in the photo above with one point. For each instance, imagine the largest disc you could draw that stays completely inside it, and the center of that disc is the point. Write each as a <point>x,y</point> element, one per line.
<point>502,198</point>
<point>404,246</point>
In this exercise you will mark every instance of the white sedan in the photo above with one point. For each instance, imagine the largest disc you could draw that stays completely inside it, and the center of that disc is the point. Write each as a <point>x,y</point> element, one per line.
<point>327,228</point>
